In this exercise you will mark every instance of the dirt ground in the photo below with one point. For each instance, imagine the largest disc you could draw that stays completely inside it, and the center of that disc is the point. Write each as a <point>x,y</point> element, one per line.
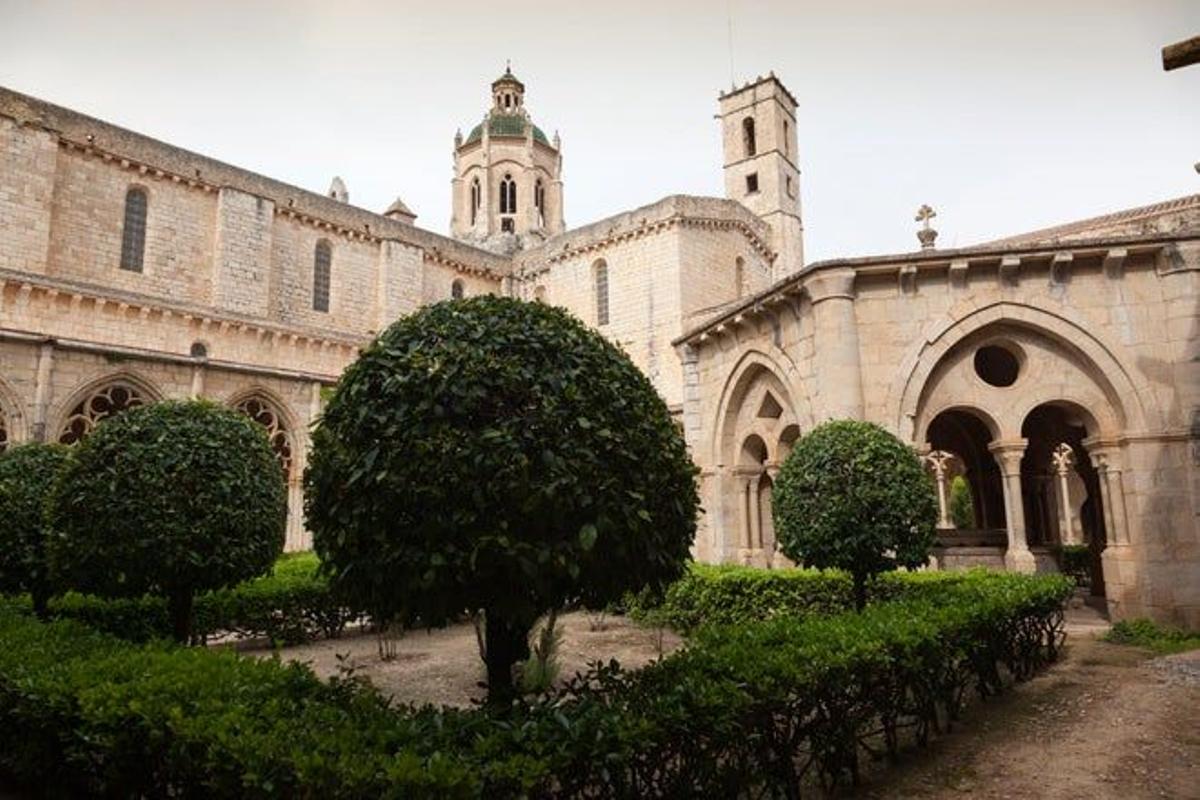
<point>1107,721</point>
<point>443,666</point>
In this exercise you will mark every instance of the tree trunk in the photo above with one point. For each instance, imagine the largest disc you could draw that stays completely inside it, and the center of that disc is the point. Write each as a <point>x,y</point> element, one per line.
<point>41,604</point>
<point>179,607</point>
<point>860,592</point>
<point>507,643</point>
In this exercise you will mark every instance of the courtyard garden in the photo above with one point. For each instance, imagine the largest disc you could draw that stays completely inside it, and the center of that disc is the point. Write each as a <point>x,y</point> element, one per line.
<point>500,603</point>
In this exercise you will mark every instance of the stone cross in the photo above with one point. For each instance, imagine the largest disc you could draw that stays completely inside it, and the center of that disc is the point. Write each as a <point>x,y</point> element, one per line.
<point>926,234</point>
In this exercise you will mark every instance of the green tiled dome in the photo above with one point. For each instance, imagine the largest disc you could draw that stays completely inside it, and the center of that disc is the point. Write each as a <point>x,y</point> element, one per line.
<point>506,125</point>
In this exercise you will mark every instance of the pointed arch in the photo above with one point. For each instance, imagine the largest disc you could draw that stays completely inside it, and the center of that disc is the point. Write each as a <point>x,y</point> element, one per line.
<point>98,399</point>
<point>756,373</point>
<point>12,421</point>
<point>268,410</point>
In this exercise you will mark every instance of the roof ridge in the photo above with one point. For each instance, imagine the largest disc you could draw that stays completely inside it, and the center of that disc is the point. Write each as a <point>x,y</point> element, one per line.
<point>1121,215</point>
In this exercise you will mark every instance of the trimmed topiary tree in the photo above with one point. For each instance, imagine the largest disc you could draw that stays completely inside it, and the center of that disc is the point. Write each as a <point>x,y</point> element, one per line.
<point>491,454</point>
<point>852,496</point>
<point>169,499</point>
<point>27,473</point>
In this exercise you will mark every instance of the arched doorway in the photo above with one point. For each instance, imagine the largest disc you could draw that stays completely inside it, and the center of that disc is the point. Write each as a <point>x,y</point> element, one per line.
<point>959,458</point>
<point>1060,488</point>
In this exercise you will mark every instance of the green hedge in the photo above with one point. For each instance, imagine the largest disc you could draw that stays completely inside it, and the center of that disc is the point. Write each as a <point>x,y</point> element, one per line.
<point>728,594</point>
<point>748,710</point>
<point>291,605</point>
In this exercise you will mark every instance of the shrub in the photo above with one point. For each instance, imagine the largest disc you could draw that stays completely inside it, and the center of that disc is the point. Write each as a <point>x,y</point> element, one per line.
<point>497,455</point>
<point>1076,560</point>
<point>169,499</point>
<point>746,710</point>
<point>962,505</point>
<point>27,473</point>
<point>291,605</point>
<point>1149,634</point>
<point>730,594</point>
<point>851,496</point>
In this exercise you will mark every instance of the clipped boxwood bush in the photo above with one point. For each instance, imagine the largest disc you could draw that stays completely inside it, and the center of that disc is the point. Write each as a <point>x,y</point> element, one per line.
<point>290,606</point>
<point>851,496</point>
<point>170,499</point>
<point>498,455</point>
<point>27,473</point>
<point>759,709</point>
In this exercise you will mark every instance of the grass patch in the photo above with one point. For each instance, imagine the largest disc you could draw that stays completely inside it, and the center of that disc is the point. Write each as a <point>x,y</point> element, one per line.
<point>1146,633</point>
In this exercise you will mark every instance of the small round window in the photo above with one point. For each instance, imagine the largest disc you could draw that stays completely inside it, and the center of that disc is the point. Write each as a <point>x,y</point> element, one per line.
<point>996,365</point>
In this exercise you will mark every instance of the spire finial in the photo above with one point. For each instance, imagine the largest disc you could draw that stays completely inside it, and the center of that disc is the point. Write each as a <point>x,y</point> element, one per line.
<point>508,66</point>
<point>926,234</point>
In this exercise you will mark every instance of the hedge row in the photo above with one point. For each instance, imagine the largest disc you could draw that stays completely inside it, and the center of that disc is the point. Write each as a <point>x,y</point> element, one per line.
<point>728,594</point>
<point>749,710</point>
<point>291,605</point>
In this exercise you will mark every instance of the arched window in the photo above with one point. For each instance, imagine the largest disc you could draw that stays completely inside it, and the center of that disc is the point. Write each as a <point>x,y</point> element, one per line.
<point>322,263</point>
<point>456,290</point>
<point>748,141</point>
<point>601,270</point>
<point>199,350</point>
<point>787,135</point>
<point>508,195</point>
<point>264,414</point>
<point>539,201</point>
<point>739,277</point>
<point>133,234</point>
<point>107,401</point>
<point>476,197</point>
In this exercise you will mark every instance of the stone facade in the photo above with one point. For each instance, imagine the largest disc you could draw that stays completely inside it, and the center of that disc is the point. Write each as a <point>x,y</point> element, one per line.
<point>132,270</point>
<point>1086,336</point>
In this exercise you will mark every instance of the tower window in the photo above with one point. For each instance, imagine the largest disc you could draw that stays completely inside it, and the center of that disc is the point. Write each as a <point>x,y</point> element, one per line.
<point>752,183</point>
<point>791,187</point>
<point>456,290</point>
<point>601,270</point>
<point>739,276</point>
<point>539,201</point>
<point>787,136</point>
<point>476,197</point>
<point>322,263</point>
<point>748,140</point>
<point>133,234</point>
<point>508,195</point>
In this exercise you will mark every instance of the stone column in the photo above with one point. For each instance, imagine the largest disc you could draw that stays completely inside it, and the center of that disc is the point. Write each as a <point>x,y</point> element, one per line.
<point>1008,454</point>
<point>939,461</point>
<point>839,374</point>
<point>755,542</point>
<point>744,512</point>
<point>1106,458</point>
<point>42,391</point>
<point>198,379</point>
<point>1062,458</point>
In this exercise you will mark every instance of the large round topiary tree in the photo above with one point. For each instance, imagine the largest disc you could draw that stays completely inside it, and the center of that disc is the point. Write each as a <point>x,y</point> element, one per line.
<point>170,499</point>
<point>496,455</point>
<point>27,474</point>
<point>852,496</point>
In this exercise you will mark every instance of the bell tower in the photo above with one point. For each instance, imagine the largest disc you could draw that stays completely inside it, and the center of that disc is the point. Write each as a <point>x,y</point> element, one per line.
<point>507,187</point>
<point>758,132</point>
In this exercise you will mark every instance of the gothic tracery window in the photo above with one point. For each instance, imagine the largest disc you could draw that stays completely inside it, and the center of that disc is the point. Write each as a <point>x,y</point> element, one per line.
<point>133,232</point>
<point>264,414</point>
<point>107,401</point>
<point>508,195</point>
<point>322,264</point>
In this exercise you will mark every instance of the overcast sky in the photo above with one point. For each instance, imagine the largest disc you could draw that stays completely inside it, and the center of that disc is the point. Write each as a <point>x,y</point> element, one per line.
<point>1004,116</point>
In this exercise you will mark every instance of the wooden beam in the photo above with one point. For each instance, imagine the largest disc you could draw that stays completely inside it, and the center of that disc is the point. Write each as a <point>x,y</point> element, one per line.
<point>1181,54</point>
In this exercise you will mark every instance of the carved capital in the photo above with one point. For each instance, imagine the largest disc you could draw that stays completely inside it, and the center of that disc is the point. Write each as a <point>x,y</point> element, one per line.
<point>827,284</point>
<point>1008,454</point>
